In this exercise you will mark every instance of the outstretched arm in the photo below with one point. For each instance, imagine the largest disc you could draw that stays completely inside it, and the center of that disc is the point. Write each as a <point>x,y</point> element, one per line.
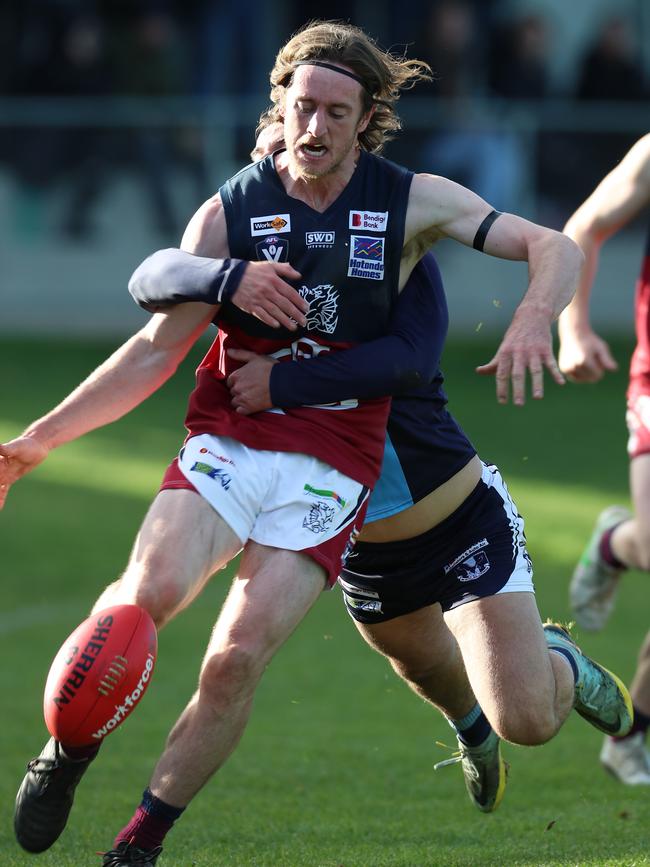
<point>439,208</point>
<point>133,372</point>
<point>584,356</point>
<point>126,378</point>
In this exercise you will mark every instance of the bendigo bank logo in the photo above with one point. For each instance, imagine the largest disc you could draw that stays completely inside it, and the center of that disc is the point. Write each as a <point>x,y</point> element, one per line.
<point>371,221</point>
<point>271,224</point>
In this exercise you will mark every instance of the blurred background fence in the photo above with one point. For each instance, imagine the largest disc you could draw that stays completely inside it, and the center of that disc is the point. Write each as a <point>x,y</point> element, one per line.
<point>117,119</point>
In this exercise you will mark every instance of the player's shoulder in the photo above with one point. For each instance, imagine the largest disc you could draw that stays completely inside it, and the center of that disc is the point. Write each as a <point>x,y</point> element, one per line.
<point>639,157</point>
<point>436,190</point>
<point>248,176</point>
<point>206,225</point>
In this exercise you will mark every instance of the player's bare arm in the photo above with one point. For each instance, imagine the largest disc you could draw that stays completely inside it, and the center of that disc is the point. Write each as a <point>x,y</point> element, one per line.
<point>131,374</point>
<point>620,196</point>
<point>439,208</point>
<point>263,291</point>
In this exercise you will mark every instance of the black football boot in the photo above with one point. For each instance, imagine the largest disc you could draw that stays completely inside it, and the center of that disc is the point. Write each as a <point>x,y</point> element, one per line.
<point>44,800</point>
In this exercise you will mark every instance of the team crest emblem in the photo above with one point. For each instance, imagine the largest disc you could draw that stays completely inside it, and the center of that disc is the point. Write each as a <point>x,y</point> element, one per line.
<point>473,567</point>
<point>323,312</point>
<point>273,249</point>
<point>320,517</point>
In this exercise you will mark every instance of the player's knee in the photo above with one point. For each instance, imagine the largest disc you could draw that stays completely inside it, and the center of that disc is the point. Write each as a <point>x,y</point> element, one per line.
<point>528,727</point>
<point>154,590</point>
<point>230,674</point>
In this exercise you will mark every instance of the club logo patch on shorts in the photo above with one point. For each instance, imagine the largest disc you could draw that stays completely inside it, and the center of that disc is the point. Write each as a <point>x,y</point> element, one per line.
<point>361,605</point>
<point>466,555</point>
<point>212,472</point>
<point>321,492</point>
<point>273,249</point>
<point>366,257</point>
<point>320,517</point>
<point>473,567</point>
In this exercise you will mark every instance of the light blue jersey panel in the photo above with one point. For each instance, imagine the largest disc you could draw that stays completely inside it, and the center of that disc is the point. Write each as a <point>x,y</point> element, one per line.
<point>391,494</point>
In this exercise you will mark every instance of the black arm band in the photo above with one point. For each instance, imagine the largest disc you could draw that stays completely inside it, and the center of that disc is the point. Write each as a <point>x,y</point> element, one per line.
<point>483,229</point>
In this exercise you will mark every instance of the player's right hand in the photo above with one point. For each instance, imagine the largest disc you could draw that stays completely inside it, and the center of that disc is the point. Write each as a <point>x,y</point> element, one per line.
<point>263,292</point>
<point>17,458</point>
<point>585,357</point>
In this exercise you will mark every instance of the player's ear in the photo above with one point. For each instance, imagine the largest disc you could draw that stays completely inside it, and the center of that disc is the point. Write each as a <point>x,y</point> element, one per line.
<point>365,119</point>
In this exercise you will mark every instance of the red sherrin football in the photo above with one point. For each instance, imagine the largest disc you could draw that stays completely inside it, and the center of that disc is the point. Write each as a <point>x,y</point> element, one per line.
<point>100,674</point>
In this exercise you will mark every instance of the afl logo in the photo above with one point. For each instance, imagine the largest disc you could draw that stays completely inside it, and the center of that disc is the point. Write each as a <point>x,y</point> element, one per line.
<point>273,249</point>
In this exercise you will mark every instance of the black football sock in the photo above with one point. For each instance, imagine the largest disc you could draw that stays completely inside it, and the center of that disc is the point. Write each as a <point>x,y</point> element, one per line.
<point>473,728</point>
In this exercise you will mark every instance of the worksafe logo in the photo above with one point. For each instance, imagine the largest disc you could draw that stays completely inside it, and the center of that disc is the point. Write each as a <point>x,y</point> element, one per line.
<point>366,257</point>
<point>272,224</point>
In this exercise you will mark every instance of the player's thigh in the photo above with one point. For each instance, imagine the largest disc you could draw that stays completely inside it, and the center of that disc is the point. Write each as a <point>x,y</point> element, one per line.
<point>418,641</point>
<point>182,541</point>
<point>269,597</point>
<point>505,654</point>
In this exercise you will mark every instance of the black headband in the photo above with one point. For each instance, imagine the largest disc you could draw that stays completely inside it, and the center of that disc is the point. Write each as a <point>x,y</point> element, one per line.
<point>334,68</point>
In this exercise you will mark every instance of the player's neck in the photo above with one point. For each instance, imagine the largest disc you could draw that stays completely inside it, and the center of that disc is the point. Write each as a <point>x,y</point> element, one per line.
<point>317,192</point>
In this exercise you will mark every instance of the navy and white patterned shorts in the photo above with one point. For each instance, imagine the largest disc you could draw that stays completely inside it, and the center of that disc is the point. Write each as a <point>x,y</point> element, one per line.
<point>478,551</point>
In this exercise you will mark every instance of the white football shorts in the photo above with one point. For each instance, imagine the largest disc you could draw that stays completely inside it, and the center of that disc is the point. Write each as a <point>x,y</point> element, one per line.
<point>280,499</point>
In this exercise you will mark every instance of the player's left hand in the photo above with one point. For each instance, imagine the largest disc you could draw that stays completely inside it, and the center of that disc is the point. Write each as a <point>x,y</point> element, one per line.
<point>17,458</point>
<point>526,346</point>
<point>250,384</point>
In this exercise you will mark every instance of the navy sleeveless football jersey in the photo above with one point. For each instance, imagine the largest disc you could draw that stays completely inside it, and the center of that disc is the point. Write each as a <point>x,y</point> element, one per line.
<point>349,259</point>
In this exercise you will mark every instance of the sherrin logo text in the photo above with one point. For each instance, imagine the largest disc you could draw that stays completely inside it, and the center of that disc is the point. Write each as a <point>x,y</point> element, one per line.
<point>128,702</point>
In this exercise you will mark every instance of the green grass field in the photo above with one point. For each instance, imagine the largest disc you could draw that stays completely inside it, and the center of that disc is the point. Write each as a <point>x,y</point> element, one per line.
<point>336,766</point>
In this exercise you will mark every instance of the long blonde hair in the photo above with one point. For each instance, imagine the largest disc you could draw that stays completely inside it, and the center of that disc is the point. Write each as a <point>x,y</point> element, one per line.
<point>383,76</point>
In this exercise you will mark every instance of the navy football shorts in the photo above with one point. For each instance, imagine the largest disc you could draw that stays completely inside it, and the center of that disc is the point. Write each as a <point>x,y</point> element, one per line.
<point>479,550</point>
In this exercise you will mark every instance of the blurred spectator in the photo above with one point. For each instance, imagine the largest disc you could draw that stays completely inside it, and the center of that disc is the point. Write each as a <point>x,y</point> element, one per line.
<point>236,44</point>
<point>518,66</point>
<point>611,68</point>
<point>466,147</point>
<point>151,61</point>
<point>60,52</point>
<point>84,70</point>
